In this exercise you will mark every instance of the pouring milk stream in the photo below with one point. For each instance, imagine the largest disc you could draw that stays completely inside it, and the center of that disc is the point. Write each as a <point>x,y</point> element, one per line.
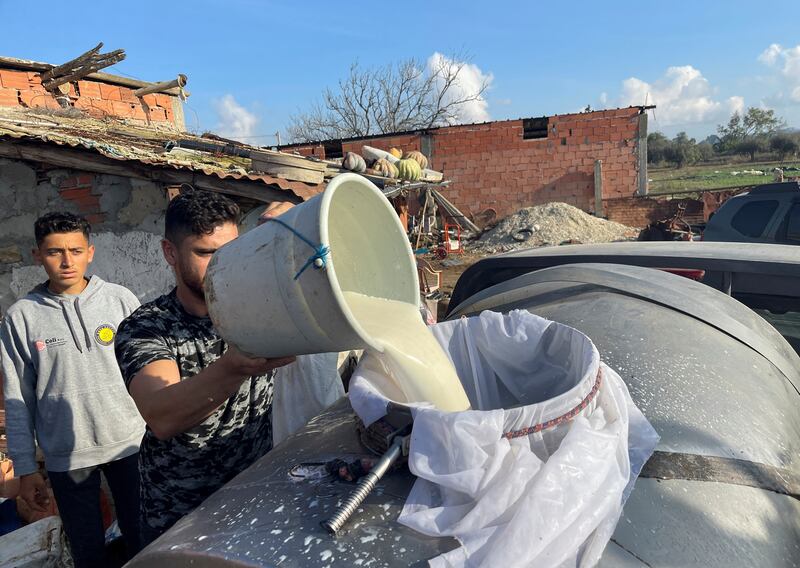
<point>332,274</point>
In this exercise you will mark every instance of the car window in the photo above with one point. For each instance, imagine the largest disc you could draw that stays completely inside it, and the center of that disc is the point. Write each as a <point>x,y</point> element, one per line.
<point>787,324</point>
<point>793,225</point>
<point>752,218</point>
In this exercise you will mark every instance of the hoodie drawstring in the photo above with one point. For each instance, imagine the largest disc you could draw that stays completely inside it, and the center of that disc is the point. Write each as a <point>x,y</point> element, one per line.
<point>69,324</point>
<point>83,325</point>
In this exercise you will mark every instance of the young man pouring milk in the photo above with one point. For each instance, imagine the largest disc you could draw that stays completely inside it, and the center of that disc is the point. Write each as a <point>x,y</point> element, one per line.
<point>207,406</point>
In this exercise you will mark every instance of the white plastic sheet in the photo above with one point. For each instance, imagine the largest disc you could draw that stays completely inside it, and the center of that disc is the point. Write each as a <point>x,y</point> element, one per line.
<point>42,544</point>
<point>303,389</point>
<point>548,498</point>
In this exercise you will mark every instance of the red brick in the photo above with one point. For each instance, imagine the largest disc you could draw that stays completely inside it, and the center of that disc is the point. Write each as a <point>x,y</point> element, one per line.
<point>127,95</point>
<point>89,89</point>
<point>110,92</point>
<point>80,180</point>
<point>14,79</point>
<point>151,100</point>
<point>158,114</point>
<point>37,99</point>
<point>121,109</point>
<point>9,97</point>
<point>76,193</point>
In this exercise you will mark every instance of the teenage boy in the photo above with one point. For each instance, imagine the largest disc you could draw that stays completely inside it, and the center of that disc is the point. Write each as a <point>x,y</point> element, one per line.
<point>63,388</point>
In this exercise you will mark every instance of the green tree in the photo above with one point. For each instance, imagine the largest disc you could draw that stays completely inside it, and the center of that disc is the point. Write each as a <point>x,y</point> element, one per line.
<point>683,150</point>
<point>750,146</point>
<point>706,151</point>
<point>658,148</point>
<point>784,145</point>
<point>756,122</point>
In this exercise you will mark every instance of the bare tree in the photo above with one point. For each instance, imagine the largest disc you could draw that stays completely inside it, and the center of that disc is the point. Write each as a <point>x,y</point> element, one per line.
<point>394,98</point>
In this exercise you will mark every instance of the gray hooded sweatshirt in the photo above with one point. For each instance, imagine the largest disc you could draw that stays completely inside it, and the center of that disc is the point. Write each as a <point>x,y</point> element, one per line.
<point>62,383</point>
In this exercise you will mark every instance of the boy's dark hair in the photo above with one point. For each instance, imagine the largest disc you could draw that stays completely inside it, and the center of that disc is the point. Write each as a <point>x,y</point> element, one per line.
<point>198,213</point>
<point>60,223</point>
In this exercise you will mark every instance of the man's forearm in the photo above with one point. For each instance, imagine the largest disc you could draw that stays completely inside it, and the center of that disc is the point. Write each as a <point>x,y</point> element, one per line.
<point>181,406</point>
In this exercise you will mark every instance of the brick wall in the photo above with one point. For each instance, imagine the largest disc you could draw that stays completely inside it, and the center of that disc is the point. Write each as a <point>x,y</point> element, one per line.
<point>492,166</point>
<point>78,189</point>
<point>641,211</point>
<point>24,89</point>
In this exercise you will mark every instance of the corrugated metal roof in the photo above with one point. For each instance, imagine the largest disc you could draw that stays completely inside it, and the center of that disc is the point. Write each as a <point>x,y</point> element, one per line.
<point>120,140</point>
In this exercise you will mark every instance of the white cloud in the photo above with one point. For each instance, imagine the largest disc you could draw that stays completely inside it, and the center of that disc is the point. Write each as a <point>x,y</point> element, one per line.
<point>770,55</point>
<point>603,99</point>
<point>787,62</point>
<point>233,120</point>
<point>469,81</point>
<point>682,97</point>
<point>735,104</point>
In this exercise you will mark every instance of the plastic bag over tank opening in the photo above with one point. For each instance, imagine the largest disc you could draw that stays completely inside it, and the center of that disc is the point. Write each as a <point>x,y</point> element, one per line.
<point>537,473</point>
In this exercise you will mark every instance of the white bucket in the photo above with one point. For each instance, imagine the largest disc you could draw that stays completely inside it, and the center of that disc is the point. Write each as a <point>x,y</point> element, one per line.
<point>258,305</point>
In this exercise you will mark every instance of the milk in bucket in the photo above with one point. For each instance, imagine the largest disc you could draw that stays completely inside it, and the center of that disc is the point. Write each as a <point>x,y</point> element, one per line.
<point>333,274</point>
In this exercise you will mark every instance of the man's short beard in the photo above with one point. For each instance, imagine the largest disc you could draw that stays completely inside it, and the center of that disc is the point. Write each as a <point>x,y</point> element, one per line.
<point>194,286</point>
<point>197,290</point>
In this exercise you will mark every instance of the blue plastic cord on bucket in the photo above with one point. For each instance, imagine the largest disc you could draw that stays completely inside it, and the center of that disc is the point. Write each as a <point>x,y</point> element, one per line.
<point>318,259</point>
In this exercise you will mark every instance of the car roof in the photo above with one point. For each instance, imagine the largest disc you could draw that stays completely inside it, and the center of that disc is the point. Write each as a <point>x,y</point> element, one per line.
<point>763,259</point>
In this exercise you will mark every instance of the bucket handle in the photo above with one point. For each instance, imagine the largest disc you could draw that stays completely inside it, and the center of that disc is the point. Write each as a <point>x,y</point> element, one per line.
<point>318,259</point>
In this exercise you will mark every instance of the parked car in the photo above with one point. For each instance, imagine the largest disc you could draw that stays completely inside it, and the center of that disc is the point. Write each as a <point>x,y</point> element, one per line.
<point>718,383</point>
<point>769,213</point>
<point>766,278</point>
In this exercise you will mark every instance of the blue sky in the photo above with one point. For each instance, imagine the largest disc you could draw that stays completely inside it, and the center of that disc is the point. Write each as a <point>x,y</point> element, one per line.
<point>252,64</point>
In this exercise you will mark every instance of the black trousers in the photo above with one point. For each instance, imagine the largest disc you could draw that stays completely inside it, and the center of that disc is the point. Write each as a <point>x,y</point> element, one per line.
<point>77,494</point>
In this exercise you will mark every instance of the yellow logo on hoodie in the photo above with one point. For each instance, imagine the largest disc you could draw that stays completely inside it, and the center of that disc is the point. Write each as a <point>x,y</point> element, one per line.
<point>104,335</point>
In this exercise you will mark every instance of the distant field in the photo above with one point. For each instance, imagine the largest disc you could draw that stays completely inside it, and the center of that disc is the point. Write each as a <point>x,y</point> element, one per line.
<point>713,176</point>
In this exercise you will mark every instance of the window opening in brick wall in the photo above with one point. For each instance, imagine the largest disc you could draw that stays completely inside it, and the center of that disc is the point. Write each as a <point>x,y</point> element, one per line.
<point>333,150</point>
<point>533,128</point>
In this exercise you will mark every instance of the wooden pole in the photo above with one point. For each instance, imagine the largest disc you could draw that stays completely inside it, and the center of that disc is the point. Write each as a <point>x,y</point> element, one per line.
<point>180,83</point>
<point>24,64</point>
<point>84,71</point>
<point>65,67</point>
<point>421,224</point>
<point>80,67</point>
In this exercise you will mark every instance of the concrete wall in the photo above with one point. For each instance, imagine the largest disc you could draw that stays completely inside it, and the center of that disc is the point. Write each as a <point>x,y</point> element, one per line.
<point>126,217</point>
<point>491,165</point>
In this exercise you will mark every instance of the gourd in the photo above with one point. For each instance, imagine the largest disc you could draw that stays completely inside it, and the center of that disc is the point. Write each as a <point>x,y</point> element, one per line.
<point>385,168</point>
<point>418,157</point>
<point>396,152</point>
<point>354,163</point>
<point>408,170</point>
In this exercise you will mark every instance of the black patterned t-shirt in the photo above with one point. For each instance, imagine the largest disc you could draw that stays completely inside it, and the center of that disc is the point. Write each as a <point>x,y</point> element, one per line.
<point>179,473</point>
